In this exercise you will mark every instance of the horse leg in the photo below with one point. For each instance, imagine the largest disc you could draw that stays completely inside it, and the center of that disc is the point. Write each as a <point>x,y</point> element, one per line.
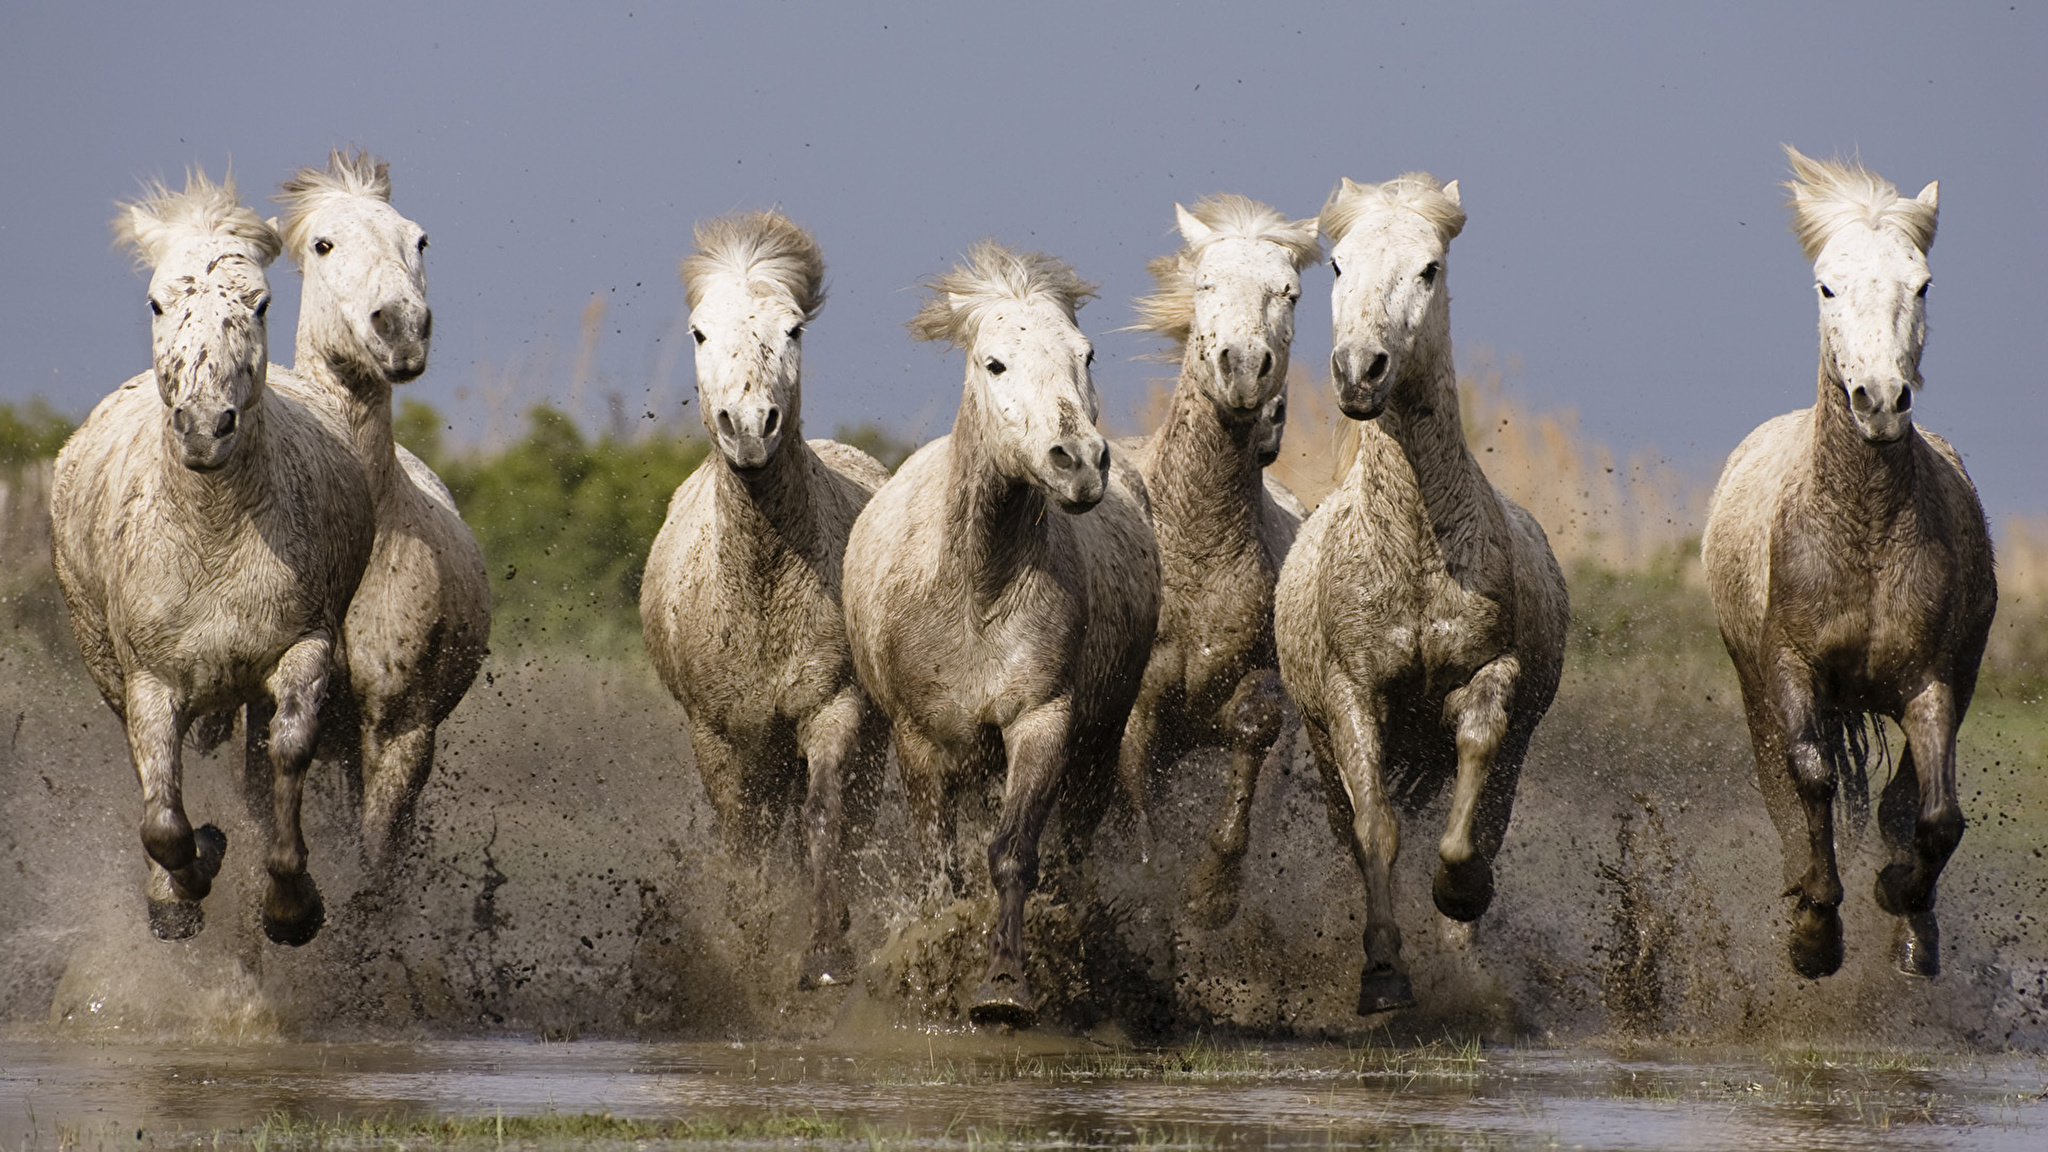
<point>931,816</point>
<point>829,743</point>
<point>292,909</point>
<point>1134,756</point>
<point>395,768</point>
<point>1463,887</point>
<point>1816,943</point>
<point>182,863</point>
<point>1767,745</point>
<point>1921,798</point>
<point>1253,718</point>
<point>256,770</point>
<point>1351,751</point>
<point>1035,744</point>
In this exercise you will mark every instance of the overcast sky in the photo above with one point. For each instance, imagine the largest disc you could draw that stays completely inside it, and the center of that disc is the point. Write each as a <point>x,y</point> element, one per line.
<point>1620,165</point>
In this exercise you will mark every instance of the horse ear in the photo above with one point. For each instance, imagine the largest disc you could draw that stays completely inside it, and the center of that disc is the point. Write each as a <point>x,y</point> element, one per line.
<point>1931,195</point>
<point>1352,186</point>
<point>1191,230</point>
<point>1451,193</point>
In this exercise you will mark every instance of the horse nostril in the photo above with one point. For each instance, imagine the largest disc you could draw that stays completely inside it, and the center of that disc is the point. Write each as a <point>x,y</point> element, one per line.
<point>427,325</point>
<point>1223,359</point>
<point>1061,458</point>
<point>1905,399</point>
<point>725,423</point>
<point>1266,366</point>
<point>181,421</point>
<point>226,424</point>
<point>1377,368</point>
<point>1859,398</point>
<point>774,421</point>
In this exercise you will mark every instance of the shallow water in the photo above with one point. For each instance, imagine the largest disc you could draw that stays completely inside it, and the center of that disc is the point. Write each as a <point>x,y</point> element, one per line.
<point>944,1090</point>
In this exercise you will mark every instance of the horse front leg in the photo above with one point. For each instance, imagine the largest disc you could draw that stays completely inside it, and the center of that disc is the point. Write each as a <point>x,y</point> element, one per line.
<point>1816,942</point>
<point>183,863</point>
<point>928,794</point>
<point>1035,745</point>
<point>1463,886</point>
<point>395,767</point>
<point>1922,823</point>
<point>1353,752</point>
<point>1140,747</point>
<point>829,742</point>
<point>1253,718</point>
<point>292,909</point>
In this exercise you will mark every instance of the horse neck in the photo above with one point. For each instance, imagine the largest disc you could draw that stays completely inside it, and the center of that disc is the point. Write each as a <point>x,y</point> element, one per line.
<point>365,400</point>
<point>1203,474</point>
<point>1859,486</point>
<point>1423,418</point>
<point>996,522</point>
<point>775,506</point>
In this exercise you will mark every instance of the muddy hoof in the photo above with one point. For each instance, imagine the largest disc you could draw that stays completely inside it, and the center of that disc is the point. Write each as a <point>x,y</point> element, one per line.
<point>1916,946</point>
<point>176,919</point>
<point>1816,944</point>
<point>1212,893</point>
<point>195,880</point>
<point>292,911</point>
<point>1463,891</point>
<point>1384,990</point>
<point>1004,1000</point>
<point>827,968</point>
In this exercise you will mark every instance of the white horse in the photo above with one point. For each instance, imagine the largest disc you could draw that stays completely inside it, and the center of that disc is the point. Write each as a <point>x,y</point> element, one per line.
<point>1226,299</point>
<point>1421,617</point>
<point>1003,587</point>
<point>419,625</point>
<point>740,602</point>
<point>208,534</point>
<point>1850,565</point>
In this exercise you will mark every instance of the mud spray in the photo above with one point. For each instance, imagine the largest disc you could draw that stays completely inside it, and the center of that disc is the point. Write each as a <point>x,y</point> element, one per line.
<point>568,884</point>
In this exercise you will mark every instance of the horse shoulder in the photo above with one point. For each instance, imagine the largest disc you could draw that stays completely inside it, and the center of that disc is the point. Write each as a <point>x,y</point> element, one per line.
<point>852,463</point>
<point>1742,519</point>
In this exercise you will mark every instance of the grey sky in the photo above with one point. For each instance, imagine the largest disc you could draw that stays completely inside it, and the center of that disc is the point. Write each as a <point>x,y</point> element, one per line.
<point>1620,165</point>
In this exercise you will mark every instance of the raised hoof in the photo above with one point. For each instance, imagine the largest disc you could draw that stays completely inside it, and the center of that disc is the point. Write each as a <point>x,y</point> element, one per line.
<point>292,911</point>
<point>195,880</point>
<point>176,919</point>
<point>827,968</point>
<point>1463,891</point>
<point>1004,1000</point>
<point>1384,990</point>
<point>1816,944</point>
<point>1212,893</point>
<point>1916,946</point>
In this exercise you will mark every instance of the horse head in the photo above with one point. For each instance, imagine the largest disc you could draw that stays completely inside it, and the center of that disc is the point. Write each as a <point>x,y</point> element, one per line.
<point>1390,246</point>
<point>364,308</point>
<point>754,282</point>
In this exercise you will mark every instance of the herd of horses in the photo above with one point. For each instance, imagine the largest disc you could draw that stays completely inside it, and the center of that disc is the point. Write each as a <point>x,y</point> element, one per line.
<point>1021,599</point>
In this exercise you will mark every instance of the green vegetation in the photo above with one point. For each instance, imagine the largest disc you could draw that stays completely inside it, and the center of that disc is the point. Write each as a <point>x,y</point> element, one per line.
<point>30,432</point>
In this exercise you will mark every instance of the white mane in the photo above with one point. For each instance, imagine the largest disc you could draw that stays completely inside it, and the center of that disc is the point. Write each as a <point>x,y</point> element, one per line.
<point>346,175</point>
<point>150,225</point>
<point>1827,194</point>
<point>765,248</point>
<point>1419,192</point>
<point>993,272</point>
<point>1170,311</point>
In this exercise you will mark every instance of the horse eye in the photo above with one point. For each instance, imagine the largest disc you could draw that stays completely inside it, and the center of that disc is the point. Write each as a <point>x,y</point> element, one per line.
<point>1429,272</point>
<point>1826,292</point>
<point>696,334</point>
<point>1922,293</point>
<point>154,307</point>
<point>1334,270</point>
<point>262,306</point>
<point>1091,357</point>
<point>997,367</point>
<point>796,332</point>
<point>422,244</point>
<point>322,247</point>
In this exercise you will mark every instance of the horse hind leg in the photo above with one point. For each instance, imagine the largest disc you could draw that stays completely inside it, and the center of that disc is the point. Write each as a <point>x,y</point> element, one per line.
<point>292,909</point>
<point>1253,717</point>
<point>1922,822</point>
<point>395,769</point>
<point>182,861</point>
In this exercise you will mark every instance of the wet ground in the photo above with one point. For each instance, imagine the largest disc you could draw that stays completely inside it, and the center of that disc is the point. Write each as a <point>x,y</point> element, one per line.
<point>952,1090</point>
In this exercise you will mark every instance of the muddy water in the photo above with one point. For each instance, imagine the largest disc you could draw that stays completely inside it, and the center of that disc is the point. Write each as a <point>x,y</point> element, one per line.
<point>952,1090</point>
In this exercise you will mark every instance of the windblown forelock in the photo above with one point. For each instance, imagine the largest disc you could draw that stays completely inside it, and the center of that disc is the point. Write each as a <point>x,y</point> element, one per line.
<point>993,273</point>
<point>1418,192</point>
<point>1828,194</point>
<point>1170,310</point>
<point>755,247</point>
<point>203,211</point>
<point>310,189</point>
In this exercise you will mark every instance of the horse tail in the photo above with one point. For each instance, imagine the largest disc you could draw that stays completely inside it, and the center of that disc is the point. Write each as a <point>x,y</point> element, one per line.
<point>1845,747</point>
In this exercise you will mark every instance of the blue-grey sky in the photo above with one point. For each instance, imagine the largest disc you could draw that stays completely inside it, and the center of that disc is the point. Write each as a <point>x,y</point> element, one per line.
<point>1620,165</point>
